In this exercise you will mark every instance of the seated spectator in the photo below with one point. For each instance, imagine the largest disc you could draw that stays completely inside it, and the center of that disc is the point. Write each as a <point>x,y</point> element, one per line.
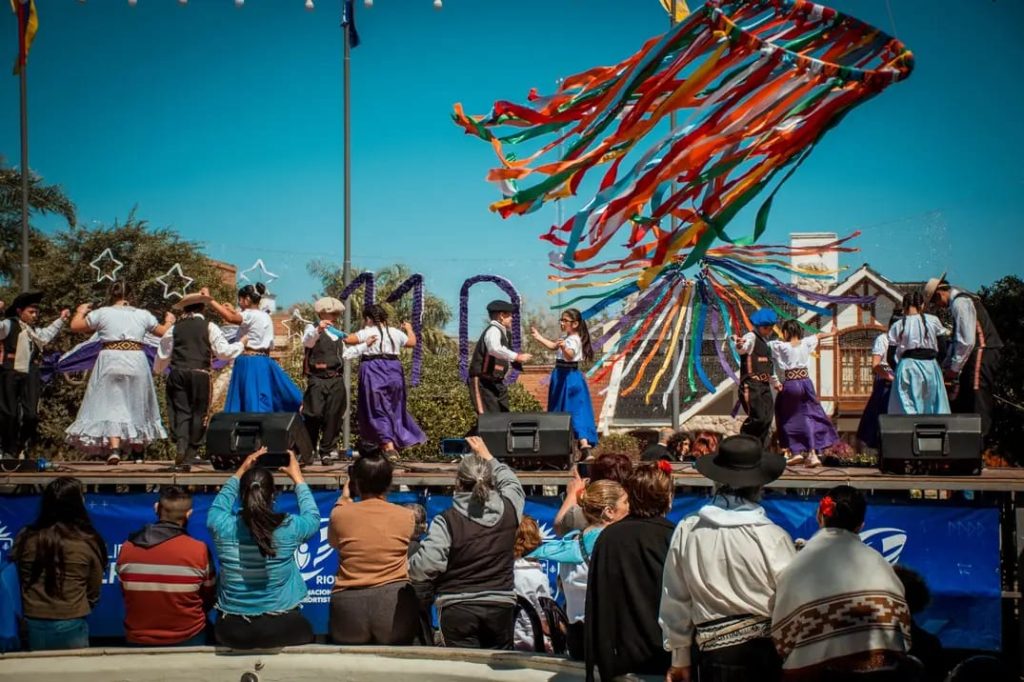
<point>621,633</point>
<point>424,591</point>
<point>659,450</point>
<point>531,580</point>
<point>925,646</point>
<point>419,515</point>
<point>705,443</point>
<point>468,554</point>
<point>260,586</point>
<point>372,601</point>
<point>680,445</point>
<point>839,606</point>
<point>167,577</point>
<point>721,572</point>
<point>61,561</point>
<point>609,466</point>
<point>603,503</point>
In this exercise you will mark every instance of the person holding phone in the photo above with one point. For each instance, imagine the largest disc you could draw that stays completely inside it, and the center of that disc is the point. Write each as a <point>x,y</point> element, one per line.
<point>260,587</point>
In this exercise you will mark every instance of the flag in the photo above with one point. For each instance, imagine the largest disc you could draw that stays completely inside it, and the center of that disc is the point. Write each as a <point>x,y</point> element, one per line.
<point>28,24</point>
<point>348,22</point>
<point>682,11</point>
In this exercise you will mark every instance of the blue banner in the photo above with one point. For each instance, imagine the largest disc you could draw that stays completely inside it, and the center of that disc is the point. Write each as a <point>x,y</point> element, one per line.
<point>955,548</point>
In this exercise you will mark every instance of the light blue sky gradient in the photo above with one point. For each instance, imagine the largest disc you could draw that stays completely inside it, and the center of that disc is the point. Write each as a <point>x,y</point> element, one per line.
<point>225,124</point>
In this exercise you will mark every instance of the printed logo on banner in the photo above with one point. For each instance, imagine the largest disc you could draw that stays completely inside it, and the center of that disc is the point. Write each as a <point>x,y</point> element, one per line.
<point>310,557</point>
<point>6,541</point>
<point>547,534</point>
<point>889,542</point>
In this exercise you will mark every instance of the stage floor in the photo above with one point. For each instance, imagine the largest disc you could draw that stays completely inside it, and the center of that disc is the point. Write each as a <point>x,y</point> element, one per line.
<point>441,475</point>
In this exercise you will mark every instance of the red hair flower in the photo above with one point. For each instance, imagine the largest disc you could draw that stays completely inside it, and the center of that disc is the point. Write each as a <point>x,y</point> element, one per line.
<point>665,466</point>
<point>827,507</point>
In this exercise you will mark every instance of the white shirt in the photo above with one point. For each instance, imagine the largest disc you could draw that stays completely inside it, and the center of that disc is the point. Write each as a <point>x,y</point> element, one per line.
<point>219,344</point>
<point>257,329</point>
<point>910,333</point>
<point>532,583</point>
<point>41,336</point>
<point>574,344</point>
<point>881,346</point>
<point>965,322</point>
<point>746,343</point>
<point>787,356</point>
<point>721,562</point>
<point>574,587</point>
<point>390,343</point>
<point>311,334</point>
<point>120,323</point>
<point>492,342</point>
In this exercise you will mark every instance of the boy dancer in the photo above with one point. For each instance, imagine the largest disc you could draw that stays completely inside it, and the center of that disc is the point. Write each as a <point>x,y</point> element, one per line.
<point>491,359</point>
<point>756,372</point>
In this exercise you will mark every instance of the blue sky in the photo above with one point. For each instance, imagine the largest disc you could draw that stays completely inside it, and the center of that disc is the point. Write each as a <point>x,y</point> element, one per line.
<point>225,123</point>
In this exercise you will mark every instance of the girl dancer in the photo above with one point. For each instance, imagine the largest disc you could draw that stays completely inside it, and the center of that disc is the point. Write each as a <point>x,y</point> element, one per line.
<point>918,387</point>
<point>383,418</point>
<point>568,390</point>
<point>803,426</point>
<point>883,362</point>
<point>258,384</point>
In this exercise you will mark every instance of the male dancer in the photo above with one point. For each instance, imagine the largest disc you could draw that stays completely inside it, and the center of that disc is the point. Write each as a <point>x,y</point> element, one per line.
<point>972,358</point>
<point>756,372</point>
<point>492,357</point>
<point>21,345</point>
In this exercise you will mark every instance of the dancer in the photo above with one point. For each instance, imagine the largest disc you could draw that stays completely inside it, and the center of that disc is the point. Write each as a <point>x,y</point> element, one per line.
<point>492,357</point>
<point>973,355</point>
<point>383,417</point>
<point>802,423</point>
<point>21,345</point>
<point>568,390</point>
<point>258,384</point>
<point>883,363</point>
<point>756,372</point>
<point>326,397</point>
<point>120,409</point>
<point>917,387</point>
<point>189,347</point>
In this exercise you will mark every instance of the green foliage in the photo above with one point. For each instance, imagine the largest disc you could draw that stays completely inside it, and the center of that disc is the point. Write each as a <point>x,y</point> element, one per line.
<point>41,199</point>
<point>619,443</point>
<point>1004,301</point>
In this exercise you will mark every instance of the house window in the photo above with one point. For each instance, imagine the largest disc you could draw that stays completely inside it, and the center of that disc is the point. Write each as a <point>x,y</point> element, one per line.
<point>855,375</point>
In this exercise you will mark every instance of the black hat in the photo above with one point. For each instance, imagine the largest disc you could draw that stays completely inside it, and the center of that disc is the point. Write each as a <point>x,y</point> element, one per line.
<point>742,462</point>
<point>499,306</point>
<point>22,301</point>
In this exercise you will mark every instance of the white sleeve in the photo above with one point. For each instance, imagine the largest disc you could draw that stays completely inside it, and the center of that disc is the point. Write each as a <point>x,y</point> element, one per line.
<point>353,352</point>
<point>163,351</point>
<point>810,342</point>
<point>94,317</point>
<point>675,614</point>
<point>574,344</point>
<point>398,338</point>
<point>149,320</point>
<point>492,342</point>
<point>965,319</point>
<point>310,335</point>
<point>220,345</point>
<point>365,333</point>
<point>5,328</point>
<point>746,344</point>
<point>935,324</point>
<point>881,346</point>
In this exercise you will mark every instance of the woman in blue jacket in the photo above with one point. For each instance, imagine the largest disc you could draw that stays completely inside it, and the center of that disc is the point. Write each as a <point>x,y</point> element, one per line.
<point>260,586</point>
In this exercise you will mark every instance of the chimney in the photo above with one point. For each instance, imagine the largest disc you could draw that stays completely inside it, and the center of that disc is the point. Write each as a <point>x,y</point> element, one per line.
<point>823,263</point>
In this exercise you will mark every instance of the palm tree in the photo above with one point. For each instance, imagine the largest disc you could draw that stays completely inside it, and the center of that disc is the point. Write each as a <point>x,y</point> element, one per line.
<point>42,198</point>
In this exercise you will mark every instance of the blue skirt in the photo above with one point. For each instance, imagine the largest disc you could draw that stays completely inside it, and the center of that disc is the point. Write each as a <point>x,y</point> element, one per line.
<point>383,417</point>
<point>568,392</point>
<point>918,388</point>
<point>258,384</point>
<point>868,430</point>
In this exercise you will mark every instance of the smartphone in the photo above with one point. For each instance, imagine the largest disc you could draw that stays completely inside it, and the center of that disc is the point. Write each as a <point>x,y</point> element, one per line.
<point>454,447</point>
<point>583,469</point>
<point>273,460</point>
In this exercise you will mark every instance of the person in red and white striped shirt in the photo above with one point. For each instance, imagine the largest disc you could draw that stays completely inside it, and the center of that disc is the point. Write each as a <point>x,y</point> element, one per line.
<point>167,577</point>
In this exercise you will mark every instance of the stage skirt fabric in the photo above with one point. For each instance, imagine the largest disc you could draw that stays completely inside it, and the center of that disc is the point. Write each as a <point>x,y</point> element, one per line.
<point>258,384</point>
<point>918,388</point>
<point>802,424</point>
<point>868,430</point>
<point>568,392</point>
<point>120,402</point>
<point>383,417</point>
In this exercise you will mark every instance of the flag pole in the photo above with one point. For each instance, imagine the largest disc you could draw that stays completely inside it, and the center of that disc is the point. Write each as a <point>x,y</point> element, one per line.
<point>23,77</point>
<point>346,268</point>
<point>676,397</point>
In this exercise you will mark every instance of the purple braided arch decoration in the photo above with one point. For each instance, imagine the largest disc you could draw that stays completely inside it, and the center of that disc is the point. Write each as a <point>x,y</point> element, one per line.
<point>363,278</point>
<point>415,283</point>
<point>517,333</point>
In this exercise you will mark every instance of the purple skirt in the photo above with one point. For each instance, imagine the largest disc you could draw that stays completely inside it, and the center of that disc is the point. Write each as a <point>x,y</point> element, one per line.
<point>868,430</point>
<point>381,405</point>
<point>801,422</point>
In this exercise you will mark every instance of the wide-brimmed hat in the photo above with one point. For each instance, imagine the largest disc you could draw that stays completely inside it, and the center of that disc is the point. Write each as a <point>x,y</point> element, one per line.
<point>499,306</point>
<point>23,300</point>
<point>742,462</point>
<point>328,305</point>
<point>932,285</point>
<point>191,299</point>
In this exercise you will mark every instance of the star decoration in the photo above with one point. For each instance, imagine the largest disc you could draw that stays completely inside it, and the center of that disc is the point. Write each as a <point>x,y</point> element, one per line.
<point>103,273</point>
<point>167,282</point>
<point>268,276</point>
<point>295,325</point>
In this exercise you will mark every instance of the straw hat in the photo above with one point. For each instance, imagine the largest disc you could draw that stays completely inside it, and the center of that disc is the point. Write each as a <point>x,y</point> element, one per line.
<point>192,299</point>
<point>932,286</point>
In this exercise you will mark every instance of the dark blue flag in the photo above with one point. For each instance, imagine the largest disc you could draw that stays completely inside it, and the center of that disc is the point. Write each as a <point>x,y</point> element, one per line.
<point>348,22</point>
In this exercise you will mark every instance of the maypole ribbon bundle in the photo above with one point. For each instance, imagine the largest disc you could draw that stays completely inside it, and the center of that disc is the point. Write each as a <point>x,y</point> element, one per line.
<point>756,84</point>
<point>415,284</point>
<point>365,280</point>
<point>517,335</point>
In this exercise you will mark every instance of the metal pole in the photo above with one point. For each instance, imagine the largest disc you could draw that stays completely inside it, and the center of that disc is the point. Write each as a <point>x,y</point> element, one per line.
<point>346,268</point>
<point>25,274</point>
<point>676,396</point>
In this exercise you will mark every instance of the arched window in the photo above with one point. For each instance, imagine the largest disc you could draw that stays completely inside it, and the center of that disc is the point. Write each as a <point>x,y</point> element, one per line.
<point>854,361</point>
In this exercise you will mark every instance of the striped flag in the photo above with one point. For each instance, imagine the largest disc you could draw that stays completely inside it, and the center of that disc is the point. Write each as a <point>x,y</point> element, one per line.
<point>348,23</point>
<point>682,11</point>
<point>28,24</point>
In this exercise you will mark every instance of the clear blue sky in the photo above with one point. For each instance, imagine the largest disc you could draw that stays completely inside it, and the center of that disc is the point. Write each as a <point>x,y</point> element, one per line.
<point>225,123</point>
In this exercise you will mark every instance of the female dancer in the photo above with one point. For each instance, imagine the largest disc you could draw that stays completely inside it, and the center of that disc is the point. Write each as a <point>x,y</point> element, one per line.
<point>120,408</point>
<point>883,362</point>
<point>568,390</point>
<point>258,384</point>
<point>383,418</point>
<point>803,426</point>
<point>918,387</point>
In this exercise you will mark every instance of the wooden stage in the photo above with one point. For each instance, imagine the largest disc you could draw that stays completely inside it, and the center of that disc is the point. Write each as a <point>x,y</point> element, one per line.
<point>1009,480</point>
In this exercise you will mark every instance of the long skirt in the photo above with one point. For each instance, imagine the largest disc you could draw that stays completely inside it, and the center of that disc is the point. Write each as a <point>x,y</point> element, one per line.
<point>258,384</point>
<point>383,417</point>
<point>120,402</point>
<point>918,388</point>
<point>568,392</point>
<point>868,430</point>
<point>802,424</point>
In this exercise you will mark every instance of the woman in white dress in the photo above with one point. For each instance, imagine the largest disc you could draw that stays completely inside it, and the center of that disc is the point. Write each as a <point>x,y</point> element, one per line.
<point>119,411</point>
<point>918,387</point>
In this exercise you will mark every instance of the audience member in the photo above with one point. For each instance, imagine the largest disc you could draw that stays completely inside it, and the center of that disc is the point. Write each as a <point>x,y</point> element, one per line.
<point>680,445</point>
<point>924,646</point>
<point>260,586</point>
<point>621,634</point>
<point>659,450</point>
<point>721,572</point>
<point>167,578</point>
<point>419,529</point>
<point>603,502</point>
<point>61,561</point>
<point>531,581</point>
<point>468,553</point>
<point>424,590</point>
<point>839,606</point>
<point>705,443</point>
<point>609,466</point>
<point>372,601</point>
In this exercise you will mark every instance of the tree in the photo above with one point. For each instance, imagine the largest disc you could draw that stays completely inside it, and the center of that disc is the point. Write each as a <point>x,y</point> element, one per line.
<point>1004,300</point>
<point>41,199</point>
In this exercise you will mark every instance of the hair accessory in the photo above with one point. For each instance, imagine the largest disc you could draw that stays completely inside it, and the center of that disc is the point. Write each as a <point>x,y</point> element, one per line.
<point>665,466</point>
<point>827,507</point>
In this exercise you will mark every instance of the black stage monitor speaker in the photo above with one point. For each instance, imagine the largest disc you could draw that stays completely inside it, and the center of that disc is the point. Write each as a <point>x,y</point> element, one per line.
<point>529,439</point>
<point>931,444</point>
<point>233,435</point>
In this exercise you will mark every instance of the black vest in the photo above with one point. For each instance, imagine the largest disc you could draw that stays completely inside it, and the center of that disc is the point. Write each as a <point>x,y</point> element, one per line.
<point>985,333</point>
<point>485,365</point>
<point>480,559</point>
<point>758,362</point>
<point>191,344</point>
<point>325,355</point>
<point>10,345</point>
